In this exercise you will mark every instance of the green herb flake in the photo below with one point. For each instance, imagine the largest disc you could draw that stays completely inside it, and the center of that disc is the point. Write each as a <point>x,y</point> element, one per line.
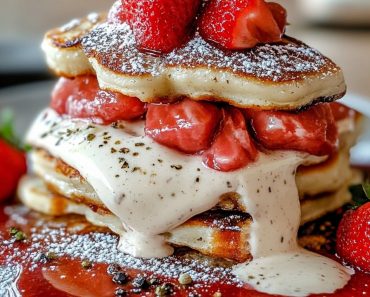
<point>51,256</point>
<point>90,137</point>
<point>86,264</point>
<point>13,231</point>
<point>17,234</point>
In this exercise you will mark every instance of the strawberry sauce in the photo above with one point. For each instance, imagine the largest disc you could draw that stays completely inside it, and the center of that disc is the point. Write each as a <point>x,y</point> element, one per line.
<point>61,274</point>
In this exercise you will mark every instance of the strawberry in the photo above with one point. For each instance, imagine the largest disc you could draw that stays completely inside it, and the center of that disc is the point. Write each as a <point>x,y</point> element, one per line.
<point>280,15</point>
<point>116,13</point>
<point>341,112</point>
<point>353,236</point>
<point>187,125</point>
<point>241,24</point>
<point>233,148</point>
<point>158,25</point>
<point>82,98</point>
<point>12,167</point>
<point>12,160</point>
<point>313,131</point>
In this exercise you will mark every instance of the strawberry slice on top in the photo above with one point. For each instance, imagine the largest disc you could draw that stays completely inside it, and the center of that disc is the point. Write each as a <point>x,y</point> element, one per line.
<point>233,148</point>
<point>188,125</point>
<point>158,25</point>
<point>241,24</point>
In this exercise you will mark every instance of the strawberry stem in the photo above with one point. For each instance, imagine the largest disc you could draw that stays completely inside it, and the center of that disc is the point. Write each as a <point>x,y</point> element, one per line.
<point>360,194</point>
<point>7,132</point>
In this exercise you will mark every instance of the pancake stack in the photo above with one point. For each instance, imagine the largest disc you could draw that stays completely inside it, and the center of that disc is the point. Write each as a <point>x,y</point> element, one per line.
<point>73,158</point>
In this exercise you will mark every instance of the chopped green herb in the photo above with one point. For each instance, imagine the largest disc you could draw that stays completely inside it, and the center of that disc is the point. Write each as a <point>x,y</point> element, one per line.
<point>51,256</point>
<point>86,264</point>
<point>90,137</point>
<point>17,234</point>
<point>13,231</point>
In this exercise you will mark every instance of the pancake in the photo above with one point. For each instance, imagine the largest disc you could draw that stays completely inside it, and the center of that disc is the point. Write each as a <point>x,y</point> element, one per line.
<point>63,45</point>
<point>286,75</point>
<point>216,233</point>
<point>221,232</point>
<point>326,177</point>
<point>67,181</point>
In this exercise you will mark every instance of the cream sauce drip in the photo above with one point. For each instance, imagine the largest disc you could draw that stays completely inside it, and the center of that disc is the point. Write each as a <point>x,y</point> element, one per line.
<point>153,189</point>
<point>279,265</point>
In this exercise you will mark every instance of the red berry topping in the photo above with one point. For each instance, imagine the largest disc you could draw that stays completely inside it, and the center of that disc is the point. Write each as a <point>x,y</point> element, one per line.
<point>280,15</point>
<point>158,25</point>
<point>353,237</point>
<point>313,131</point>
<point>187,125</point>
<point>341,112</point>
<point>240,24</point>
<point>82,98</point>
<point>12,167</point>
<point>233,148</point>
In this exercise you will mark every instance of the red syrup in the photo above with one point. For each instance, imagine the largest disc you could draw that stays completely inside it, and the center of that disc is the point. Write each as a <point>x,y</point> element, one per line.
<point>64,275</point>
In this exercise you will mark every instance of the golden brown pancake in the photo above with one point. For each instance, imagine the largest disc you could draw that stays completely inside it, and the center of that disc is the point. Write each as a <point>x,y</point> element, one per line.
<point>285,75</point>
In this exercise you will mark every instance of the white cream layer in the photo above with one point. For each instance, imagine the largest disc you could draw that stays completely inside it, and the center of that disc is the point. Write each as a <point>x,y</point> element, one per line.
<point>153,189</point>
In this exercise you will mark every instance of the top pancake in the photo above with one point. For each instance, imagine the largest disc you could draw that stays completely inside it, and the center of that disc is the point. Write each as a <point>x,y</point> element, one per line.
<point>286,75</point>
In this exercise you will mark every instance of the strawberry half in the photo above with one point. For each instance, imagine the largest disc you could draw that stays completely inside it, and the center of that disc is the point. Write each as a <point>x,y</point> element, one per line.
<point>241,24</point>
<point>187,125</point>
<point>353,237</point>
<point>158,25</point>
<point>233,148</point>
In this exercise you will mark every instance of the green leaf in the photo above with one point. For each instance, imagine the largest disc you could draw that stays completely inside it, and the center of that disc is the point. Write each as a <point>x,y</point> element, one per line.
<point>359,194</point>
<point>6,128</point>
<point>366,189</point>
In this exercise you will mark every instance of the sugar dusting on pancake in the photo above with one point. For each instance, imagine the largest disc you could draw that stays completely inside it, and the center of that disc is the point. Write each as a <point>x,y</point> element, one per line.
<point>114,46</point>
<point>285,75</point>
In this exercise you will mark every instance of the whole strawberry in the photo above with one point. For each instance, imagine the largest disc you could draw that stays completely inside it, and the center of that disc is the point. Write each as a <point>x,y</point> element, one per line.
<point>12,160</point>
<point>353,237</point>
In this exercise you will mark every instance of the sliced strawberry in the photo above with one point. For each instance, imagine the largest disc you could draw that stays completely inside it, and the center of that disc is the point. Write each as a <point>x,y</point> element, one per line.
<point>158,25</point>
<point>313,131</point>
<point>341,112</point>
<point>353,237</point>
<point>187,125</point>
<point>12,167</point>
<point>233,148</point>
<point>82,98</point>
<point>240,24</point>
<point>280,15</point>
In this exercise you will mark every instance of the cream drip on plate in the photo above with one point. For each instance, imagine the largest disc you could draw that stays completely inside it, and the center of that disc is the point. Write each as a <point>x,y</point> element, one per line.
<point>153,189</point>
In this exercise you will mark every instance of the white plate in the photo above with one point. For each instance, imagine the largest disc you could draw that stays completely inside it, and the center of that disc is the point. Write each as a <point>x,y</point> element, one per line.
<point>27,100</point>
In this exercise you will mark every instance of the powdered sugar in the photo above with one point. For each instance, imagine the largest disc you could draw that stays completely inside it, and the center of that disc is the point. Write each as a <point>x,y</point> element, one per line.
<point>98,247</point>
<point>71,25</point>
<point>114,47</point>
